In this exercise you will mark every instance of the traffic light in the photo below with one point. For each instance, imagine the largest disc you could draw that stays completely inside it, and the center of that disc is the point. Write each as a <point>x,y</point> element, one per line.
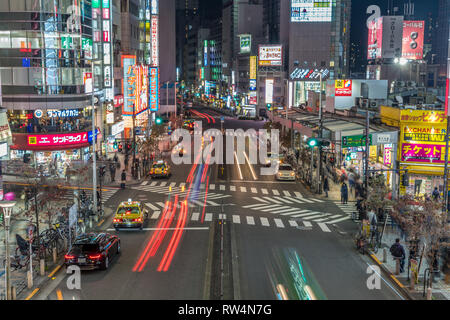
<point>159,121</point>
<point>405,179</point>
<point>120,147</point>
<point>26,158</point>
<point>269,106</point>
<point>312,142</point>
<point>1,217</point>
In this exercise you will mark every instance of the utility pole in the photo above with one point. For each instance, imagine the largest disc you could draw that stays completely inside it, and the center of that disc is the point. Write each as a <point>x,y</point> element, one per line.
<point>447,99</point>
<point>319,158</point>
<point>94,143</point>
<point>366,160</point>
<point>134,140</point>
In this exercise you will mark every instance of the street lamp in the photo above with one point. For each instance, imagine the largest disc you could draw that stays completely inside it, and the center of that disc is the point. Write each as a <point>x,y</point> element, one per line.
<point>7,207</point>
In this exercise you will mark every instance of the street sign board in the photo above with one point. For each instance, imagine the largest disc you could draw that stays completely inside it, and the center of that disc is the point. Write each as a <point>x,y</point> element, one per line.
<point>355,141</point>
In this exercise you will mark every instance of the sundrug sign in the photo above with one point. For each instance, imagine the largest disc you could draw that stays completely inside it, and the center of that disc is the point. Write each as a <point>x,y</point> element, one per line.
<point>343,88</point>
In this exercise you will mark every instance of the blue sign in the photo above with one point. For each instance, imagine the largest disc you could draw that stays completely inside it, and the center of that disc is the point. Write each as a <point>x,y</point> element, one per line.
<point>90,135</point>
<point>154,89</point>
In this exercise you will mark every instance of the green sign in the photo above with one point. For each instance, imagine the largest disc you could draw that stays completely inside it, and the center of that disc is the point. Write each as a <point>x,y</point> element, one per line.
<point>86,44</point>
<point>105,3</point>
<point>245,43</point>
<point>66,42</point>
<point>355,141</point>
<point>95,3</point>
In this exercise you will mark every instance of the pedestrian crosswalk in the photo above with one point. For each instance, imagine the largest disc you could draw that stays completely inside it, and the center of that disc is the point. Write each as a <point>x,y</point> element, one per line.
<point>287,207</point>
<point>106,194</point>
<point>278,223</point>
<point>163,187</point>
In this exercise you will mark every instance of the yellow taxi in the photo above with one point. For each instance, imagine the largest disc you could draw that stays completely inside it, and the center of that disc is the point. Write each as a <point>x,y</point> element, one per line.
<point>160,169</point>
<point>129,215</point>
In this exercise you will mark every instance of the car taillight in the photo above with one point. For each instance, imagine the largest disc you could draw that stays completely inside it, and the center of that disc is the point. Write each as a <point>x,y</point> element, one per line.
<point>95,257</point>
<point>137,220</point>
<point>69,257</point>
<point>117,220</point>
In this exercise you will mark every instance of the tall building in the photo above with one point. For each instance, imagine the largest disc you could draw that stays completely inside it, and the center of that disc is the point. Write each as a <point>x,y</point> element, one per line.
<point>442,36</point>
<point>46,76</point>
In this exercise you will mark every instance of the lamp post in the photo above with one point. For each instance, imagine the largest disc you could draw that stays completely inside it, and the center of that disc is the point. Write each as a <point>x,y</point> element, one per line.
<point>7,207</point>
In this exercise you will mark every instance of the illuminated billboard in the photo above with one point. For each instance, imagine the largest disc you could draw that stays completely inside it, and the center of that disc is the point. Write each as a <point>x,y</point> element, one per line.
<point>245,43</point>
<point>154,41</point>
<point>269,91</point>
<point>312,10</point>
<point>413,36</point>
<point>154,89</point>
<point>385,38</point>
<point>253,61</point>
<point>129,84</point>
<point>343,88</point>
<point>271,55</point>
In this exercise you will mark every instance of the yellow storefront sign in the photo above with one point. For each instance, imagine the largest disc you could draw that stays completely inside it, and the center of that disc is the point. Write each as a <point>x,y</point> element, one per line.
<point>253,64</point>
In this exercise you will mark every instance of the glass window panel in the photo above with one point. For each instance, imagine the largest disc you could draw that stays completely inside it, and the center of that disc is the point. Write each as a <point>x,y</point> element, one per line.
<point>6,74</point>
<point>78,76</point>
<point>5,40</point>
<point>36,76</point>
<point>67,76</point>
<point>17,5</point>
<point>19,39</point>
<point>20,76</point>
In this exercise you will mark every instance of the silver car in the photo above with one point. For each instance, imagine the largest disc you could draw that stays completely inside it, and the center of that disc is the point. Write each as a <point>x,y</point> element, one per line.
<point>285,172</point>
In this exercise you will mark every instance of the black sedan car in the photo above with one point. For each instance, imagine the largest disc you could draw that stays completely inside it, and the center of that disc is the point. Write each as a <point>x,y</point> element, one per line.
<point>93,251</point>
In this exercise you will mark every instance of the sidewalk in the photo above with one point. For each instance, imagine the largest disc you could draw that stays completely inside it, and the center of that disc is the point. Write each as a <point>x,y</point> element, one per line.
<point>441,290</point>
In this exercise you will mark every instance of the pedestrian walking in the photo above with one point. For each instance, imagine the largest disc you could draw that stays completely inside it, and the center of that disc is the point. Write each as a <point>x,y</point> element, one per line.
<point>398,252</point>
<point>124,178</point>
<point>344,193</point>
<point>326,186</point>
<point>436,194</point>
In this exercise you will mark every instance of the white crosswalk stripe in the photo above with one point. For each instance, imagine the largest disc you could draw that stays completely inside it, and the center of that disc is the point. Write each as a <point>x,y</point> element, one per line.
<point>315,216</point>
<point>151,206</point>
<point>251,221</point>
<point>212,187</point>
<point>208,217</point>
<point>153,183</point>
<point>155,215</point>
<point>236,219</point>
<point>173,184</point>
<point>293,223</point>
<point>275,192</point>
<point>324,227</point>
<point>338,220</point>
<point>195,216</point>
<point>285,200</point>
<point>273,200</point>
<point>163,184</point>
<point>286,193</point>
<point>278,223</point>
<point>264,222</point>
<point>307,224</point>
<point>283,210</point>
<point>264,191</point>
<point>266,209</point>
<point>254,190</point>
<point>304,214</point>
<point>297,212</point>
<point>144,183</point>
<point>298,194</point>
<point>243,189</point>
<point>182,184</point>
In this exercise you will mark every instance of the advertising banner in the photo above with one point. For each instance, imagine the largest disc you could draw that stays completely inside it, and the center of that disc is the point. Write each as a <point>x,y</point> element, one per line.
<point>312,10</point>
<point>155,40</point>
<point>375,39</point>
<point>57,140</point>
<point>269,91</point>
<point>343,88</point>
<point>154,89</point>
<point>142,89</point>
<point>253,61</point>
<point>425,153</point>
<point>387,159</point>
<point>392,37</point>
<point>413,37</point>
<point>424,134</point>
<point>271,55</point>
<point>253,98</point>
<point>420,116</point>
<point>355,141</point>
<point>129,84</point>
<point>245,43</point>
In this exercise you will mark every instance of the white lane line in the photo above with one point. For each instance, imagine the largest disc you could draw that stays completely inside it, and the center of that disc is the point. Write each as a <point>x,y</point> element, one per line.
<point>264,191</point>
<point>284,200</point>
<point>151,206</point>
<point>183,184</point>
<point>254,190</point>
<point>338,220</point>
<point>208,217</point>
<point>154,183</point>
<point>298,212</point>
<point>277,207</point>
<point>155,215</point>
<point>144,183</point>
<point>324,227</point>
<point>243,189</point>
<point>307,224</point>
<point>273,200</point>
<point>195,216</point>
<point>212,203</point>
<point>262,205</point>
<point>222,187</point>
<point>173,184</point>
<point>275,192</point>
<point>236,219</point>
<point>232,188</point>
<point>293,223</point>
<point>260,199</point>
<point>297,200</point>
<point>212,187</point>
<point>279,223</point>
<point>305,214</point>
<point>163,184</point>
<point>251,221</point>
<point>286,193</point>
<point>298,194</point>
<point>161,204</point>
<point>238,166</point>
<point>264,222</point>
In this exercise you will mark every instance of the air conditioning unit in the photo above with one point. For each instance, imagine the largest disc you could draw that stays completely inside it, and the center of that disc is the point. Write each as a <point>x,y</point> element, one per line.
<point>364,103</point>
<point>411,84</point>
<point>400,83</point>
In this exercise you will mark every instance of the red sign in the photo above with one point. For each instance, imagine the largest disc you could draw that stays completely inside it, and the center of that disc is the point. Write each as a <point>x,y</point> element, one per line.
<point>105,36</point>
<point>375,39</point>
<point>343,88</point>
<point>118,101</point>
<point>106,13</point>
<point>413,35</point>
<point>57,140</point>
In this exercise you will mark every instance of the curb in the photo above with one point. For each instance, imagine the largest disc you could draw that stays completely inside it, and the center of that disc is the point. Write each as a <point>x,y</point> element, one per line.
<point>398,284</point>
<point>28,294</point>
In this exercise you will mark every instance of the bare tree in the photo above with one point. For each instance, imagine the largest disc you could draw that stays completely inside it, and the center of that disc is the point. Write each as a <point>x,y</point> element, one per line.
<point>377,197</point>
<point>425,226</point>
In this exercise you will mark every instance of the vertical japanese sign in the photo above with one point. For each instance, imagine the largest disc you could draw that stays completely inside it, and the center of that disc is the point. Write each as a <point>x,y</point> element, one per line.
<point>107,48</point>
<point>154,33</point>
<point>142,88</point>
<point>269,91</point>
<point>129,84</point>
<point>154,88</point>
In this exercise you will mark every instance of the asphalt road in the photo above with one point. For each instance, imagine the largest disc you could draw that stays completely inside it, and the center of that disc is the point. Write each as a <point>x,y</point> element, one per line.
<point>246,236</point>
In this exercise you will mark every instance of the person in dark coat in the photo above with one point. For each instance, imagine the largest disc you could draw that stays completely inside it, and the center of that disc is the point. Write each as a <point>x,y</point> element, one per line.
<point>344,193</point>
<point>124,178</point>
<point>398,252</point>
<point>326,186</point>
